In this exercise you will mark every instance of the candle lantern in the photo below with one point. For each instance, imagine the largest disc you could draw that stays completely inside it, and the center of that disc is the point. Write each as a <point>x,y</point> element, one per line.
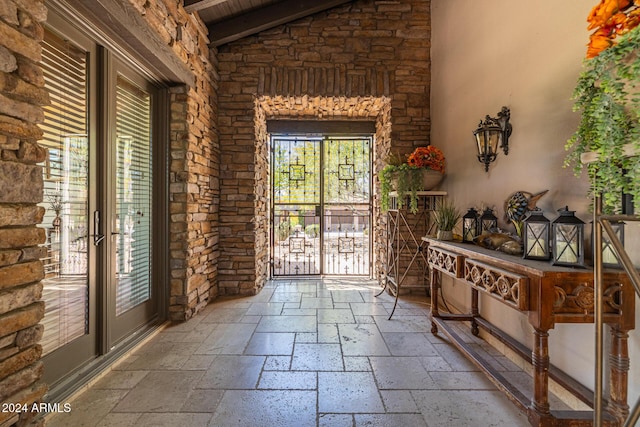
<point>567,239</point>
<point>470,225</point>
<point>609,255</point>
<point>536,236</point>
<point>488,221</point>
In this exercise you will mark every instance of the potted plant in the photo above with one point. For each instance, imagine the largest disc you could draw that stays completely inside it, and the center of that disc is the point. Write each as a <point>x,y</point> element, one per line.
<point>607,141</point>
<point>55,203</point>
<point>446,216</point>
<point>423,170</point>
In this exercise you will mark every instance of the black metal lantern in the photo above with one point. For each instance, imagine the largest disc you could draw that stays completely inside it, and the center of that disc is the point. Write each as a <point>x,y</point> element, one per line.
<point>535,236</point>
<point>609,255</point>
<point>470,225</point>
<point>491,134</point>
<point>488,221</point>
<point>567,239</point>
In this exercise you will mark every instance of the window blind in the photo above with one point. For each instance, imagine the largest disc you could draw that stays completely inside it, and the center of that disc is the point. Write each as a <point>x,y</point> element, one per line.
<point>133,195</point>
<point>65,287</point>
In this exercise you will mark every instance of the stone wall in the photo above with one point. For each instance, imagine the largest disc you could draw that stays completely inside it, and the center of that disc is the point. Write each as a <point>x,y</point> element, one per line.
<point>194,159</point>
<point>22,96</point>
<point>193,162</point>
<point>363,49</point>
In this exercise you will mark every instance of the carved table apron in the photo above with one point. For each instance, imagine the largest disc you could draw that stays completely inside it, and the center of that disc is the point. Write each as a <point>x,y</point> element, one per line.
<point>548,295</point>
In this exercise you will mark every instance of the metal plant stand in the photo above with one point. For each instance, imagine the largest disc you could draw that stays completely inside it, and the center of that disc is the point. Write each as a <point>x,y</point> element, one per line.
<point>406,262</point>
<point>603,222</point>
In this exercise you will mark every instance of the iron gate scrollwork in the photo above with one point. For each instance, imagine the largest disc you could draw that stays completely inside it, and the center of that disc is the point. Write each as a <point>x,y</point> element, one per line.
<point>321,212</point>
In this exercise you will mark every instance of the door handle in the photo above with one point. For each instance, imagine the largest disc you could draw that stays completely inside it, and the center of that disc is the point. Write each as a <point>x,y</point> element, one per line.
<point>97,237</point>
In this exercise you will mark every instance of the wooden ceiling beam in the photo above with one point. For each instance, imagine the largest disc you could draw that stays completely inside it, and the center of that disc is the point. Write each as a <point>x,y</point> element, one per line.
<point>196,5</point>
<point>265,18</point>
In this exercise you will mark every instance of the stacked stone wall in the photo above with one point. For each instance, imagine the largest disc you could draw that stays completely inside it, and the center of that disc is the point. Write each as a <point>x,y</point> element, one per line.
<point>22,97</point>
<point>193,160</point>
<point>363,49</point>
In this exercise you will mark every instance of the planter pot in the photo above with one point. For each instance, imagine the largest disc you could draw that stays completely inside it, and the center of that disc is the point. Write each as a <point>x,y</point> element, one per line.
<point>431,179</point>
<point>628,206</point>
<point>444,235</point>
<point>628,150</point>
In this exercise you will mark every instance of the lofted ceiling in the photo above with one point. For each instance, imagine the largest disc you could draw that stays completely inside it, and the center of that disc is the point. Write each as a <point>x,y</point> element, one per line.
<point>229,20</point>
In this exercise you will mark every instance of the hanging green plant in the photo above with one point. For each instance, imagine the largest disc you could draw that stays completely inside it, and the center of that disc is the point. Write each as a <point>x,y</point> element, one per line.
<point>608,98</point>
<point>408,181</point>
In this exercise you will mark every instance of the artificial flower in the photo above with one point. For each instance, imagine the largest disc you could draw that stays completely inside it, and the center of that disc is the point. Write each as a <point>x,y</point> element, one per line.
<point>602,12</point>
<point>633,18</point>
<point>428,157</point>
<point>599,41</point>
<point>611,18</point>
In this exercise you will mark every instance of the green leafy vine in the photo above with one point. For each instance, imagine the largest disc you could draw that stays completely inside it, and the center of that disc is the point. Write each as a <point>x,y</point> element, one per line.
<point>408,181</point>
<point>608,98</point>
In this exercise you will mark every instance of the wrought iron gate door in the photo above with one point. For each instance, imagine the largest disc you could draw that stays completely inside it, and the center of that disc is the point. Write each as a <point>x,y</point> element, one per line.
<point>321,212</point>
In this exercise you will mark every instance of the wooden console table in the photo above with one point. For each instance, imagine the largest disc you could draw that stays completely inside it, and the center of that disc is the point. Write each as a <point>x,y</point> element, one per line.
<point>548,295</point>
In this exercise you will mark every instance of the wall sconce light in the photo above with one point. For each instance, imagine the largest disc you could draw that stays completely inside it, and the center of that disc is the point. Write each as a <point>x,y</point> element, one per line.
<point>493,133</point>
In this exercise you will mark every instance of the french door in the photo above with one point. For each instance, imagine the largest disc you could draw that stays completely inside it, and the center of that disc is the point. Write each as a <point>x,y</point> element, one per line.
<point>128,231</point>
<point>321,211</point>
<point>99,286</point>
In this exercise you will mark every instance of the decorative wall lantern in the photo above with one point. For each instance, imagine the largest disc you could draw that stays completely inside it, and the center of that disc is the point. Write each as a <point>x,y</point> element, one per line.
<point>567,238</point>
<point>470,225</point>
<point>493,133</point>
<point>535,236</point>
<point>609,255</point>
<point>488,221</point>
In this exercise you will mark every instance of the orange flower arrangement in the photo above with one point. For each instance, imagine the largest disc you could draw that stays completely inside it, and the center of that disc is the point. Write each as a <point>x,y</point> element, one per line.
<point>428,157</point>
<point>611,18</point>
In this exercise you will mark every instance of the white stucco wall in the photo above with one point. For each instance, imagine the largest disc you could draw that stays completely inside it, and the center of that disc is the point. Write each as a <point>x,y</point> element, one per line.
<point>526,56</point>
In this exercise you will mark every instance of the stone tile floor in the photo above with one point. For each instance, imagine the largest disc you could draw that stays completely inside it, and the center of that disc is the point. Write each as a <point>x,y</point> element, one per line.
<point>301,353</point>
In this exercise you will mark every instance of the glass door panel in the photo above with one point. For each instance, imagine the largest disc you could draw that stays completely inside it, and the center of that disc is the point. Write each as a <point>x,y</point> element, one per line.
<point>296,208</point>
<point>131,293</point>
<point>347,198</point>
<point>97,198</point>
<point>321,209</point>
<point>133,197</point>
<point>66,194</point>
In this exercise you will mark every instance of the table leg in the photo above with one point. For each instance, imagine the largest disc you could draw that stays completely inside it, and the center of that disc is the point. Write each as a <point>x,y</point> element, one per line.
<point>434,280</point>
<point>474,312</point>
<point>540,360</point>
<point>619,370</point>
